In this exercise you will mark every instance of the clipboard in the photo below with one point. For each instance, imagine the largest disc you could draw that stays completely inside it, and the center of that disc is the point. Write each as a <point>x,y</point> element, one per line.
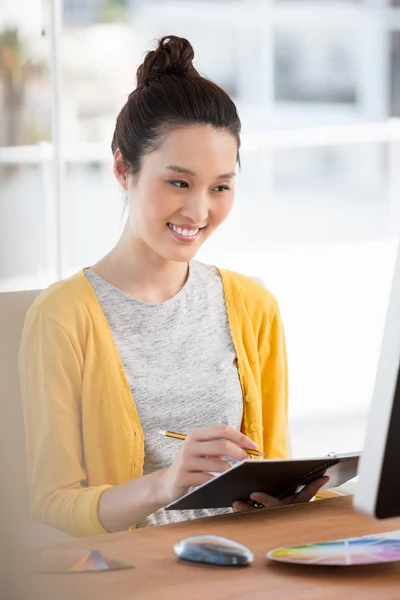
<point>280,478</point>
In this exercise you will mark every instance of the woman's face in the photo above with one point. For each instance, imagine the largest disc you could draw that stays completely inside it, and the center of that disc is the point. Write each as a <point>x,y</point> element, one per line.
<point>184,191</point>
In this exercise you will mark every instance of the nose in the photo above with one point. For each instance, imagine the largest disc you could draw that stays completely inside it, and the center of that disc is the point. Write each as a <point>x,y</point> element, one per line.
<point>195,208</point>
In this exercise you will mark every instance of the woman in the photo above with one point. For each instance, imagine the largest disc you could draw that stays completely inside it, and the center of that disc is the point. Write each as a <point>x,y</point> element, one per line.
<point>148,339</point>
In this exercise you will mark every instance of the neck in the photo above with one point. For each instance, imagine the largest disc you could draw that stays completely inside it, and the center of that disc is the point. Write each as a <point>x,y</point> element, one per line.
<point>137,270</point>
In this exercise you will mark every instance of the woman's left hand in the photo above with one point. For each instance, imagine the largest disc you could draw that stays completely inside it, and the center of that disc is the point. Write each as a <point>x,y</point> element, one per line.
<point>266,501</point>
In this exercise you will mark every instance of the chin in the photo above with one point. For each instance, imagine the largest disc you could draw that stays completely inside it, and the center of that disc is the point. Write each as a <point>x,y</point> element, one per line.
<point>175,251</point>
<point>180,255</point>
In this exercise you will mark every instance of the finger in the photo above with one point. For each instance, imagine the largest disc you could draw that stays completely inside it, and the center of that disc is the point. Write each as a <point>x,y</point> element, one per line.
<point>220,448</point>
<point>307,493</point>
<point>266,499</point>
<point>220,432</point>
<point>206,465</point>
<point>196,479</point>
<point>239,506</point>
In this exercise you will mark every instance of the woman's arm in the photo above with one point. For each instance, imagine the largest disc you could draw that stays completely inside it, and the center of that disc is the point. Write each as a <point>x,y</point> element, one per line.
<point>201,454</point>
<point>51,372</point>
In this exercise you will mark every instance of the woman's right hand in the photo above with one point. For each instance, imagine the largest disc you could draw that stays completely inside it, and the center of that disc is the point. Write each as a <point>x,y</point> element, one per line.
<point>201,454</point>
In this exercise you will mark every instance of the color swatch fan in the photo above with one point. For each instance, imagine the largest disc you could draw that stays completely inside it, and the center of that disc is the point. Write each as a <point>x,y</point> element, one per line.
<point>367,550</point>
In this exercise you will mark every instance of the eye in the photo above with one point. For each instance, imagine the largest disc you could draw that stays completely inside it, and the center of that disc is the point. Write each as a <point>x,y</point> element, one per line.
<point>179,183</point>
<point>221,188</point>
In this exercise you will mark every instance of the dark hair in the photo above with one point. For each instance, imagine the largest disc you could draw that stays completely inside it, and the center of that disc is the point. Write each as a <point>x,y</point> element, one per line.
<point>170,93</point>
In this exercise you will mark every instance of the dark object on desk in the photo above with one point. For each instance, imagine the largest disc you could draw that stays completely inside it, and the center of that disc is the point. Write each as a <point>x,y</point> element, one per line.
<point>213,550</point>
<point>279,478</point>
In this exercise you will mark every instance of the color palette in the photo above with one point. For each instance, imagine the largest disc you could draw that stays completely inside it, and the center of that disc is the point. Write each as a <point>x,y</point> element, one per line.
<point>78,561</point>
<point>367,550</point>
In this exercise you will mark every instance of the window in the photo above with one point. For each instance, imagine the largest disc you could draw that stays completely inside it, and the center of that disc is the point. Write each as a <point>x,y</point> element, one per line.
<point>316,215</point>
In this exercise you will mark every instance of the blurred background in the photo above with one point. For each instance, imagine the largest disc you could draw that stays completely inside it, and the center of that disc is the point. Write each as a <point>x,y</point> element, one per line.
<point>317,85</point>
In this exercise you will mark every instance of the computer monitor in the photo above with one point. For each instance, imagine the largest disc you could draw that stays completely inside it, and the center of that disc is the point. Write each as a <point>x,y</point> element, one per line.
<point>378,488</point>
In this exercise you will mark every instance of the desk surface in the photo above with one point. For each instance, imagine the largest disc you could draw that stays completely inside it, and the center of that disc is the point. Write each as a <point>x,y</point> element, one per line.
<point>158,574</point>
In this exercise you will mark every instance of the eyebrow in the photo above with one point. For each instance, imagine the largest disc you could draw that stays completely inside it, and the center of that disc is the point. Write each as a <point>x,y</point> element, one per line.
<point>186,171</point>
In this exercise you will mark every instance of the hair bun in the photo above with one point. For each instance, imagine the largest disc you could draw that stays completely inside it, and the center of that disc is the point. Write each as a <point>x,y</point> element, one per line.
<point>173,56</point>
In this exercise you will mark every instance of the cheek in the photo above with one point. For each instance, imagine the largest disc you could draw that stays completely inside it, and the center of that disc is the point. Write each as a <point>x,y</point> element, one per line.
<point>222,208</point>
<point>158,202</point>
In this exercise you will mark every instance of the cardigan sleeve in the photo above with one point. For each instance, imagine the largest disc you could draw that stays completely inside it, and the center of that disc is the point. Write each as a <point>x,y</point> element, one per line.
<point>50,370</point>
<point>274,388</point>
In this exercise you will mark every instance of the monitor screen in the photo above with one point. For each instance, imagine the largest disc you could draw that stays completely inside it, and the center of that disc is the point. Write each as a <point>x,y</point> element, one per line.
<point>378,488</point>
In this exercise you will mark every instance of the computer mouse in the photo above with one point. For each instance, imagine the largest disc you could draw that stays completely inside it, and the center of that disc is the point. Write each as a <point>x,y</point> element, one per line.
<point>213,550</point>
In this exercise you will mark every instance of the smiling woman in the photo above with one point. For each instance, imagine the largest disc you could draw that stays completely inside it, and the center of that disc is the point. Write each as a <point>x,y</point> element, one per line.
<point>148,338</point>
<point>194,193</point>
<point>176,145</point>
<point>190,232</point>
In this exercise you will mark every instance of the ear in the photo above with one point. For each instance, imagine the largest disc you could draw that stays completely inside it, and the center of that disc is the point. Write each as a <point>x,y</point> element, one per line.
<point>119,169</point>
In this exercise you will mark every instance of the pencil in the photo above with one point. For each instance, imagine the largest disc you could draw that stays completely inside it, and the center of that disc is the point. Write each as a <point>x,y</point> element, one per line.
<point>182,436</point>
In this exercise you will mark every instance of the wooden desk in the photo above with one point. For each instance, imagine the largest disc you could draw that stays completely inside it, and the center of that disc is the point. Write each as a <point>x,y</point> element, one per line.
<point>158,574</point>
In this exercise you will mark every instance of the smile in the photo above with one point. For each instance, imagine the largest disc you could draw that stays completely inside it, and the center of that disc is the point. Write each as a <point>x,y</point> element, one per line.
<point>185,234</point>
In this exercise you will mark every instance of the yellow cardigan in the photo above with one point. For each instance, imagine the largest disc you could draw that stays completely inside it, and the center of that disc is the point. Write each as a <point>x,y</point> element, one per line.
<point>83,432</point>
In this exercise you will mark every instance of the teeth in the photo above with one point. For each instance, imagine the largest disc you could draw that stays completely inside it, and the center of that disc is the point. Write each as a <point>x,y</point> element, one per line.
<point>184,232</point>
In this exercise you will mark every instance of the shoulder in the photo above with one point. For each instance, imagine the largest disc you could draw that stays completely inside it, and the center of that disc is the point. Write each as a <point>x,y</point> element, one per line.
<point>64,300</point>
<point>250,290</point>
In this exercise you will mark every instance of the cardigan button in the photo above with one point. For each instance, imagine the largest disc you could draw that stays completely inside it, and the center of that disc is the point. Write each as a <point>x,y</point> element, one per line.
<point>249,398</point>
<point>255,427</point>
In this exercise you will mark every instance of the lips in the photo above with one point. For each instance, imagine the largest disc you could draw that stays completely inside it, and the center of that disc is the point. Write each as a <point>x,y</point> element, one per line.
<point>185,233</point>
